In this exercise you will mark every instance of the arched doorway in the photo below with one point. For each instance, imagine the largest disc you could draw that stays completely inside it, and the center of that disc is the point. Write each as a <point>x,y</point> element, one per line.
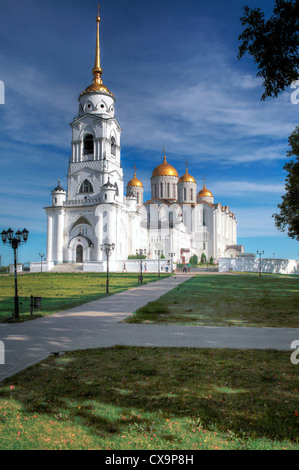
<point>79,254</point>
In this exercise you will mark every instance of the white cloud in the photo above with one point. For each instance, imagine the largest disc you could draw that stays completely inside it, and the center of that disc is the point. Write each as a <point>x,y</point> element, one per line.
<point>247,187</point>
<point>256,222</point>
<point>214,111</point>
<point>38,110</point>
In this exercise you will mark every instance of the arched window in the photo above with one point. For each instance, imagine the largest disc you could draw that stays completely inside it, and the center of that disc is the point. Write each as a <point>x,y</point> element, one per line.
<point>170,219</point>
<point>86,187</point>
<point>185,194</point>
<point>161,195</point>
<point>113,146</point>
<point>88,144</point>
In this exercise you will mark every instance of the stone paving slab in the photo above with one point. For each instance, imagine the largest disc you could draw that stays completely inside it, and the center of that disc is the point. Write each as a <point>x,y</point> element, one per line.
<point>99,324</point>
<point>32,341</point>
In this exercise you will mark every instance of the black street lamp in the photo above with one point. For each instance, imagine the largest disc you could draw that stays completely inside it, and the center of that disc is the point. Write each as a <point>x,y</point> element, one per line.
<point>171,256</point>
<point>260,253</point>
<point>108,248</point>
<point>159,252</point>
<point>41,261</point>
<point>15,240</point>
<point>140,253</point>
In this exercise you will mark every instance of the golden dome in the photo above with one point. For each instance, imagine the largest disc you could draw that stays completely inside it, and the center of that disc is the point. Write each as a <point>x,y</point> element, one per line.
<point>165,169</point>
<point>186,178</point>
<point>205,192</point>
<point>97,87</point>
<point>135,182</point>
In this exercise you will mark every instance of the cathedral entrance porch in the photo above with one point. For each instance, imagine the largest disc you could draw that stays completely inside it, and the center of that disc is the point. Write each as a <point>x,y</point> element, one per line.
<point>80,249</point>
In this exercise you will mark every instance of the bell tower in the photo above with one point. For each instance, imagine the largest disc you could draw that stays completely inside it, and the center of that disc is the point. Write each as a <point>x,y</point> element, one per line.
<point>95,156</point>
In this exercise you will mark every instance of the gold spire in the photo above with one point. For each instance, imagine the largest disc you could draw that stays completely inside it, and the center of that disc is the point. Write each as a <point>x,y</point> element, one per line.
<point>97,82</point>
<point>97,71</point>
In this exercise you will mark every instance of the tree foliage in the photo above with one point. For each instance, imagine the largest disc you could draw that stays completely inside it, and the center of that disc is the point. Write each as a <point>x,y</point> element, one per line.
<point>288,218</point>
<point>193,259</point>
<point>273,44</point>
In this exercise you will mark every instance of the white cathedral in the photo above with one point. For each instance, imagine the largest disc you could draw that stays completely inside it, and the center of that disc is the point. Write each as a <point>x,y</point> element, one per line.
<point>177,222</point>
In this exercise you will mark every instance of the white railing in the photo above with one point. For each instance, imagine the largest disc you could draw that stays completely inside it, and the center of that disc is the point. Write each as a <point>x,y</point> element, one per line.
<point>82,202</point>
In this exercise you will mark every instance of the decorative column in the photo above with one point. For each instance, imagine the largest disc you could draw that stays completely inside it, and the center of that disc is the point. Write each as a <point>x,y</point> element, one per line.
<point>50,239</point>
<point>98,239</point>
<point>60,230</point>
<point>112,234</point>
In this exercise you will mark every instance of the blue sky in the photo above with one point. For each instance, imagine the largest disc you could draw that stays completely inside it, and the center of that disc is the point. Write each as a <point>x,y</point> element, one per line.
<point>173,69</point>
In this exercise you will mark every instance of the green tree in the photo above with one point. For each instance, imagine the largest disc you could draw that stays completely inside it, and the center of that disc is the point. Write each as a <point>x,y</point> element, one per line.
<point>194,259</point>
<point>273,44</point>
<point>288,217</point>
<point>203,258</point>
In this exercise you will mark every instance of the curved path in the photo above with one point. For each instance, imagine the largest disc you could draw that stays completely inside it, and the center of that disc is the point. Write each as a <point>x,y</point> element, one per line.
<point>98,324</point>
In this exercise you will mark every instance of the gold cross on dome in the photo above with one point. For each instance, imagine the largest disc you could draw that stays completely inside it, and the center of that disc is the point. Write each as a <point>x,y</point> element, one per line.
<point>135,168</point>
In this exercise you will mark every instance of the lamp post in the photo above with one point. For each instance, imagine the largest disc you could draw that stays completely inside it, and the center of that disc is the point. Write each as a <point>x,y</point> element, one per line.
<point>140,253</point>
<point>159,252</point>
<point>41,261</point>
<point>108,248</point>
<point>171,256</point>
<point>15,240</point>
<point>260,253</point>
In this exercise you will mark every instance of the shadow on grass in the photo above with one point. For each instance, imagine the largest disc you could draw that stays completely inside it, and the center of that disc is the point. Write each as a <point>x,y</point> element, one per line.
<point>229,300</point>
<point>243,393</point>
<point>60,291</point>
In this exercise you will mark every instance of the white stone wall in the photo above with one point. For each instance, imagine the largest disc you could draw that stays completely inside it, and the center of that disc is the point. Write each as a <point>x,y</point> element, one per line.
<point>38,267</point>
<point>12,268</point>
<point>132,266</point>
<point>268,265</point>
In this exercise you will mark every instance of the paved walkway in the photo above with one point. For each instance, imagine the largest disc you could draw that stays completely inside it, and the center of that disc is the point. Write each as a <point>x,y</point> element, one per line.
<point>98,324</point>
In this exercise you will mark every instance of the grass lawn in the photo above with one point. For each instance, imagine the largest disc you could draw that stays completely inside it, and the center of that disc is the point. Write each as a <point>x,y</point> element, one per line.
<point>227,300</point>
<point>153,398</point>
<point>60,291</point>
